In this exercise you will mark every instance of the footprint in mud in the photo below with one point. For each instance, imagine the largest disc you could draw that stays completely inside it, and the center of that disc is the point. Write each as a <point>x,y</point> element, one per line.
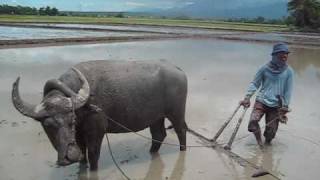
<point>14,124</point>
<point>2,122</point>
<point>129,159</point>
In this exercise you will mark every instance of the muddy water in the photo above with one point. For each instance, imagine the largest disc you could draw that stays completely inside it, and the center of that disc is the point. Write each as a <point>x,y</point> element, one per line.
<point>159,29</point>
<point>298,38</point>
<point>13,33</point>
<point>218,74</point>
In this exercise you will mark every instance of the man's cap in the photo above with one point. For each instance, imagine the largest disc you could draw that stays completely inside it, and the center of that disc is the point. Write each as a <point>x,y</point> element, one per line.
<point>280,47</point>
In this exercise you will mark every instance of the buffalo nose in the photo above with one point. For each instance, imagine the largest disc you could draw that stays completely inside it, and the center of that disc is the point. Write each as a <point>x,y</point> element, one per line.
<point>63,162</point>
<point>73,153</point>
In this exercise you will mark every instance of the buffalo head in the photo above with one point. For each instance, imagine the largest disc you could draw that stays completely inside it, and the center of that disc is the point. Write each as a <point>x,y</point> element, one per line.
<point>56,113</point>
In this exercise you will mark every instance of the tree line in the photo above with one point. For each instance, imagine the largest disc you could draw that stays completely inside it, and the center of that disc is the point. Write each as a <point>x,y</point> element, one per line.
<point>260,20</point>
<point>304,13</point>
<point>25,10</point>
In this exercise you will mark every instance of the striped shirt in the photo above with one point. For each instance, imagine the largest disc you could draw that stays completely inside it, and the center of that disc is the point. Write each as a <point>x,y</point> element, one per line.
<point>270,85</point>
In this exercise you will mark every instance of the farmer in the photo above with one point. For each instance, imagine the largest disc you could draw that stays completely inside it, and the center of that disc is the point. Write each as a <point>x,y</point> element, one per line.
<point>274,82</point>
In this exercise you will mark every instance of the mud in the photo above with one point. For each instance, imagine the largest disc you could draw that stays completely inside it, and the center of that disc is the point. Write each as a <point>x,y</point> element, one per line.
<point>79,27</point>
<point>92,33</point>
<point>218,74</point>
<point>5,44</point>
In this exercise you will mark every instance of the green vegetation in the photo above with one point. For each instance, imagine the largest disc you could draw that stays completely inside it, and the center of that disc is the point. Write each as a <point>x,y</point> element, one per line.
<point>305,13</point>
<point>24,10</point>
<point>145,21</point>
<point>260,20</point>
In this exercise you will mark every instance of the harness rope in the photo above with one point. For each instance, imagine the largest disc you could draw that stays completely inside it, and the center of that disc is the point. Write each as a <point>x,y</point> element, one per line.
<point>154,140</point>
<point>151,139</point>
<point>232,154</point>
<point>247,135</point>
<point>114,160</point>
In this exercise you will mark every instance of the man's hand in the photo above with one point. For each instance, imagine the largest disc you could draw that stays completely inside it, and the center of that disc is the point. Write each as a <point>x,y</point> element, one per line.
<point>245,102</point>
<point>282,114</point>
<point>284,110</point>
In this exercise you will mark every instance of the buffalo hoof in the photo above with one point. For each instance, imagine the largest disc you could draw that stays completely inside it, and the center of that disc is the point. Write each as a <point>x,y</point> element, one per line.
<point>83,164</point>
<point>183,148</point>
<point>83,161</point>
<point>93,168</point>
<point>155,148</point>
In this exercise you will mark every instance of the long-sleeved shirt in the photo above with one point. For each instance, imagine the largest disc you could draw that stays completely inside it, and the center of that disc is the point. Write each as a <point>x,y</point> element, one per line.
<point>271,85</point>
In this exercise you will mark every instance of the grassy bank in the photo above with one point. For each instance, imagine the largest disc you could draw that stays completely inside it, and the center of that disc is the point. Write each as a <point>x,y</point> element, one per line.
<point>144,21</point>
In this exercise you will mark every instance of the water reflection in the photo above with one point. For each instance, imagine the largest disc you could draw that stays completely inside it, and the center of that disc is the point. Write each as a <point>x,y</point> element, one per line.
<point>230,164</point>
<point>264,158</point>
<point>144,28</point>
<point>301,59</point>
<point>85,174</point>
<point>15,33</point>
<point>179,167</point>
<point>156,168</point>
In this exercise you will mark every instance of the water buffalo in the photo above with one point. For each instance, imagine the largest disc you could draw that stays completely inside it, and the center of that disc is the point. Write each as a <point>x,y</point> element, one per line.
<point>76,107</point>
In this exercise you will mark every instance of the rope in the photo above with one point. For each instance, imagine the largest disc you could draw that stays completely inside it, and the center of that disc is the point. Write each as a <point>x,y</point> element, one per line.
<point>247,135</point>
<point>301,137</point>
<point>148,138</point>
<point>113,159</point>
<point>151,139</point>
<point>191,131</point>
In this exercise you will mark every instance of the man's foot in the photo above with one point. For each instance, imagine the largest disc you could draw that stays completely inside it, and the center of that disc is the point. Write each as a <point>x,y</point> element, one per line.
<point>260,144</point>
<point>258,138</point>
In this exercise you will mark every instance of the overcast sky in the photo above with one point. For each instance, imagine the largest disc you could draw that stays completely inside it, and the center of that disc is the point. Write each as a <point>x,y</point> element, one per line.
<point>124,5</point>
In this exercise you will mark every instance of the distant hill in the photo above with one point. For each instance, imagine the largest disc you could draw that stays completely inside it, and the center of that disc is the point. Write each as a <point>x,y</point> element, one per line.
<point>225,9</point>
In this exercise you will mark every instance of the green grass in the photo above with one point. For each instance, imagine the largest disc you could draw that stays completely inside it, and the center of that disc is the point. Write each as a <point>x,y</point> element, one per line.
<point>145,21</point>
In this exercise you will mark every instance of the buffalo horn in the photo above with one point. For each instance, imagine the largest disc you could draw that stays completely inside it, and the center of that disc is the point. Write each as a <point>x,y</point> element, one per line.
<point>33,111</point>
<point>78,99</point>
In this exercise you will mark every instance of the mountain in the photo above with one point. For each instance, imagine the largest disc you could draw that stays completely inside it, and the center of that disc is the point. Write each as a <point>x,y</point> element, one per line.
<point>226,9</point>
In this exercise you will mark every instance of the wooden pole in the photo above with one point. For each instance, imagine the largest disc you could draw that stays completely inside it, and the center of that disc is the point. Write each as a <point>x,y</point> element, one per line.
<point>228,146</point>
<point>214,139</point>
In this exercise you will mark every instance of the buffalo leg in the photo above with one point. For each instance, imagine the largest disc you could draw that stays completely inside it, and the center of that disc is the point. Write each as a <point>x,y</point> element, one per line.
<point>94,145</point>
<point>81,141</point>
<point>180,128</point>
<point>181,133</point>
<point>95,130</point>
<point>158,133</point>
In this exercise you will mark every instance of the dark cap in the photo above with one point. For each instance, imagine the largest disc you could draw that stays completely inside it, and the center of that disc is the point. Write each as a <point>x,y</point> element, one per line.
<point>280,47</point>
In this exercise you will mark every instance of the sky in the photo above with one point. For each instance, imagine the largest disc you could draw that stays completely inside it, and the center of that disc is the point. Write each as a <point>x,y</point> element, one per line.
<point>123,5</point>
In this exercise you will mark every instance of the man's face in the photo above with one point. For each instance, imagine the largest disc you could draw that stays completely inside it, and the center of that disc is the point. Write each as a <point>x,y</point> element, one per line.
<point>283,56</point>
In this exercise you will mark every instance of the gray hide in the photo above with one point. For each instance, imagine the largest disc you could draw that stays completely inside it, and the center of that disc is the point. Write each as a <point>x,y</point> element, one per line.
<point>137,94</point>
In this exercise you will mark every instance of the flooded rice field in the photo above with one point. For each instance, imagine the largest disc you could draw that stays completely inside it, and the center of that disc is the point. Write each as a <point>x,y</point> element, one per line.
<point>18,33</point>
<point>39,34</point>
<point>298,38</point>
<point>218,71</point>
<point>158,29</point>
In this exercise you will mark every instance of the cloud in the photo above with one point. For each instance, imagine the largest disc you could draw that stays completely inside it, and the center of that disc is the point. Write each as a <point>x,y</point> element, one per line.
<point>86,4</point>
<point>189,3</point>
<point>135,4</point>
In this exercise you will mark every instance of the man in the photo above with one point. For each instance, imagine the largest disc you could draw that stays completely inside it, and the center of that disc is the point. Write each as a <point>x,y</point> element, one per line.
<point>274,84</point>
